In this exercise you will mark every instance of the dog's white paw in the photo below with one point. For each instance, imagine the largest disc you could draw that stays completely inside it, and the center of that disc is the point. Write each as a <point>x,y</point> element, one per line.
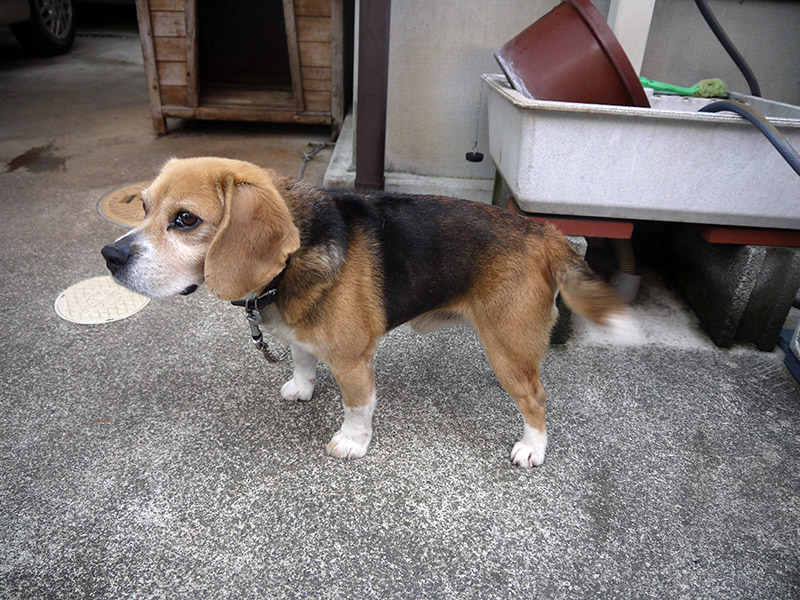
<point>301,390</point>
<point>530,450</point>
<point>343,445</point>
<point>527,456</point>
<point>352,439</point>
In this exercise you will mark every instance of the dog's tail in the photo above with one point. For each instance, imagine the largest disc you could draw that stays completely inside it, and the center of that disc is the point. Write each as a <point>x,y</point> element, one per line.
<point>585,292</point>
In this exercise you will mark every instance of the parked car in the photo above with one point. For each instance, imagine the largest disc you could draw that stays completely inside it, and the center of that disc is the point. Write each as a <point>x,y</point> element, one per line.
<point>44,27</point>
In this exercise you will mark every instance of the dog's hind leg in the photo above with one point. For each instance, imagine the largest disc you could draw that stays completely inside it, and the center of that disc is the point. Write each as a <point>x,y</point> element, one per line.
<point>357,383</point>
<point>530,450</point>
<point>301,385</point>
<point>514,350</point>
<point>523,385</point>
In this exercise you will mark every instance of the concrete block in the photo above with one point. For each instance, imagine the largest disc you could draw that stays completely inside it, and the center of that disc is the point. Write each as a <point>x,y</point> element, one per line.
<point>740,293</point>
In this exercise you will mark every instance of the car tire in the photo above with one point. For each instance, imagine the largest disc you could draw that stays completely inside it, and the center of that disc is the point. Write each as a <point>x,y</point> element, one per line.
<point>51,28</point>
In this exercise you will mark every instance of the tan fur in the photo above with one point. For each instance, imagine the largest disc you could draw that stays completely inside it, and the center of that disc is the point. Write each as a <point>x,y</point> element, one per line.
<point>254,238</point>
<point>251,224</point>
<point>582,290</point>
<point>346,328</point>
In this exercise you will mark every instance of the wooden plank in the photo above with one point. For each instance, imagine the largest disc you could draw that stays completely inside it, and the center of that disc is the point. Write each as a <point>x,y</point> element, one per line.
<point>312,8</point>
<point>583,226</point>
<point>316,85</point>
<point>174,95</point>
<point>294,54</point>
<point>337,66</point>
<point>719,234</point>
<point>313,29</point>
<point>315,54</point>
<point>318,101</point>
<point>151,73</point>
<point>170,48</point>
<point>166,4</point>
<point>192,54</point>
<point>321,73</point>
<point>247,114</point>
<point>168,23</point>
<point>172,73</point>
<point>247,97</point>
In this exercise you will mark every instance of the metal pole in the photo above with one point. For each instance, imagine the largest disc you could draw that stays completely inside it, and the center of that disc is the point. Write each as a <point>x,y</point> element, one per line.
<point>373,80</point>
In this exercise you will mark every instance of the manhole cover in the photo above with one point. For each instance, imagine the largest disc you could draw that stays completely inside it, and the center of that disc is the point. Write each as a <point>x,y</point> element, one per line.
<point>98,300</point>
<point>124,206</point>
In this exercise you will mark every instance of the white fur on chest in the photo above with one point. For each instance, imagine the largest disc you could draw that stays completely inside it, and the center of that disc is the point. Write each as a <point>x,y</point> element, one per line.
<point>273,324</point>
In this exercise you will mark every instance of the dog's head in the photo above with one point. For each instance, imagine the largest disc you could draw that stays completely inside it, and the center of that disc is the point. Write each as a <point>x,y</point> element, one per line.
<point>212,220</point>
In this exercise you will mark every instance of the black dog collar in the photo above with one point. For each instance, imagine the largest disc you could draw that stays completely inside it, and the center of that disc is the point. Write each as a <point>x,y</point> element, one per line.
<point>267,297</point>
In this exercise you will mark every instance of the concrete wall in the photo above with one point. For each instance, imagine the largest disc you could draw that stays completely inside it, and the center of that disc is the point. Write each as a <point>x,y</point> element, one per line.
<point>438,51</point>
<point>682,49</point>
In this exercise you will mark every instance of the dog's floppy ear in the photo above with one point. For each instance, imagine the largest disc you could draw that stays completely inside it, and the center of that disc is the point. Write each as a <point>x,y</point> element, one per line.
<point>254,239</point>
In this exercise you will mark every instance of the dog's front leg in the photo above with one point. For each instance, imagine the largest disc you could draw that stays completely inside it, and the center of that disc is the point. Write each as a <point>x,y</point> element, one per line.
<point>357,384</point>
<point>301,385</point>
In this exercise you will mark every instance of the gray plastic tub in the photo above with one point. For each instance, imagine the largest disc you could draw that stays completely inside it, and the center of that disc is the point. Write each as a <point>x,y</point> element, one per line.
<point>666,163</point>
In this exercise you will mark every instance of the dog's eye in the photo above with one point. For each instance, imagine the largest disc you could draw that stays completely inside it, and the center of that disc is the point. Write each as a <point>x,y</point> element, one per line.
<point>185,221</point>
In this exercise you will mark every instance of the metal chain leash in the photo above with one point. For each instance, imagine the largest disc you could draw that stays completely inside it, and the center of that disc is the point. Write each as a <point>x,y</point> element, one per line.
<point>254,318</point>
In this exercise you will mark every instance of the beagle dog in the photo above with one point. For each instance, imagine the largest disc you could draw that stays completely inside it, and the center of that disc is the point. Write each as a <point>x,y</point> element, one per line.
<point>345,267</point>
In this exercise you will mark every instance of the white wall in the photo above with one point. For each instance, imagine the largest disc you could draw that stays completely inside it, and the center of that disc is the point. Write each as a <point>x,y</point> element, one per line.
<point>682,49</point>
<point>438,52</point>
<point>440,48</point>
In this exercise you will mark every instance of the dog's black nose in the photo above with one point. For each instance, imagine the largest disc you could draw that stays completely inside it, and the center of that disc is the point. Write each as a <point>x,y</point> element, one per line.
<point>117,254</point>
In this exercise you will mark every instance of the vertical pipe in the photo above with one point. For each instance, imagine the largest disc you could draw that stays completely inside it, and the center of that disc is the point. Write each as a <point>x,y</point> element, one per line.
<point>373,81</point>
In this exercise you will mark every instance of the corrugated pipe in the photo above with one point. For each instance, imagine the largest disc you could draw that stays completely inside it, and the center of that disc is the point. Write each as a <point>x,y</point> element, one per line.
<point>626,280</point>
<point>623,252</point>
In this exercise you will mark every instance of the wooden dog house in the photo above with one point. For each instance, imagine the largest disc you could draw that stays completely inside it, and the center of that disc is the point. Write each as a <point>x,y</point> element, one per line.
<point>244,60</point>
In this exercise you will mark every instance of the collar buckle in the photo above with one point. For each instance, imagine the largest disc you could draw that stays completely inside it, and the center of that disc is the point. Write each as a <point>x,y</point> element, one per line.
<point>259,302</point>
<point>252,310</point>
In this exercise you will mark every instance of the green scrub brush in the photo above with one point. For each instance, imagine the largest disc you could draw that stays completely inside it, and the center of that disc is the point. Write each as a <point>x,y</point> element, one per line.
<point>708,88</point>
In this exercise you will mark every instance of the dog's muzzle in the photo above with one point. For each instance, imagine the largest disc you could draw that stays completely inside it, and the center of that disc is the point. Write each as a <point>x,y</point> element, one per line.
<point>117,254</point>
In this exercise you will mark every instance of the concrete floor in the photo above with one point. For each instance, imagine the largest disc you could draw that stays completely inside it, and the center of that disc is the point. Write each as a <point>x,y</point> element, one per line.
<point>152,458</point>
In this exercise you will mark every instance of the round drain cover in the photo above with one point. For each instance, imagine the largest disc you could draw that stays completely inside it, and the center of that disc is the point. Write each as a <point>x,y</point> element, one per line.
<point>124,206</point>
<point>98,300</point>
